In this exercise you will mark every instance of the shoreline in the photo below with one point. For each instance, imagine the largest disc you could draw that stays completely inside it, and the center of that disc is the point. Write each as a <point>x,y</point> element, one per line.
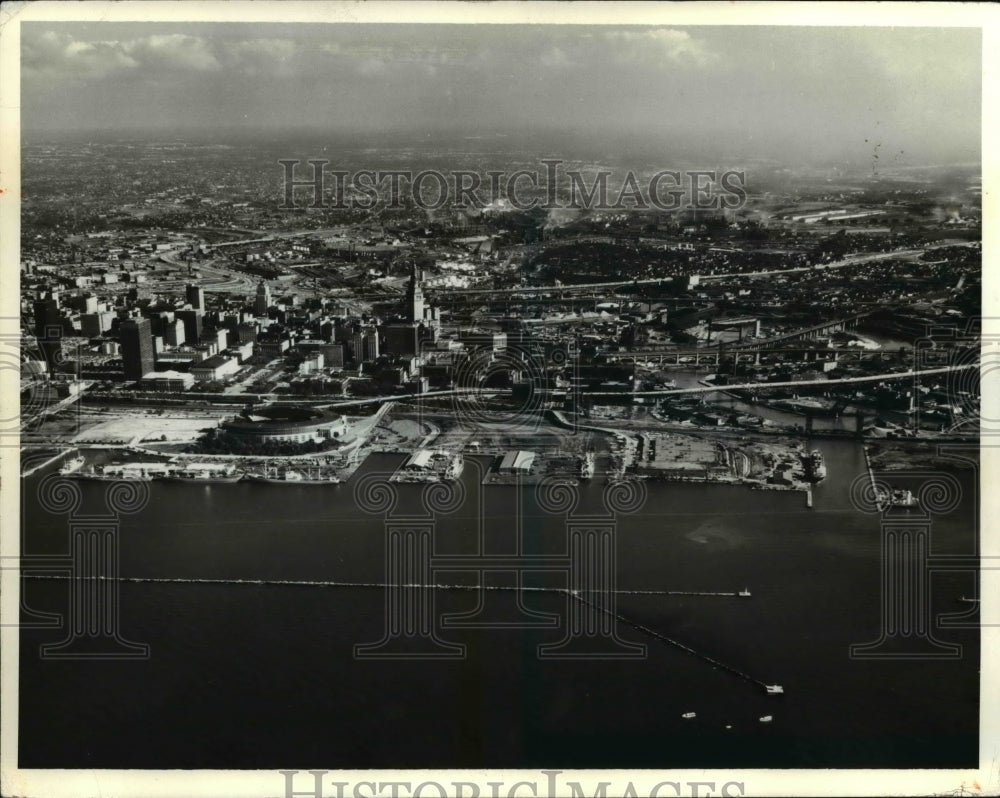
<point>340,474</point>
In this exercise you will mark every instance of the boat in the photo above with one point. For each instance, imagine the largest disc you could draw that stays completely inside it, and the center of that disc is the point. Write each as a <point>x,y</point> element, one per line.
<point>72,466</point>
<point>255,477</point>
<point>587,469</point>
<point>815,467</point>
<point>125,472</point>
<point>207,479</point>
<point>455,467</point>
<point>898,497</point>
<point>321,480</point>
<point>206,473</point>
<point>766,718</point>
<point>744,593</point>
<point>688,715</point>
<point>106,476</point>
<point>285,475</point>
<point>774,689</point>
<point>904,498</point>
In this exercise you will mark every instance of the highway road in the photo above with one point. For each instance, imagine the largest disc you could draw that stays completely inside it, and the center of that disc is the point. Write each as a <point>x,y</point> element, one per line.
<point>760,386</point>
<point>850,260</point>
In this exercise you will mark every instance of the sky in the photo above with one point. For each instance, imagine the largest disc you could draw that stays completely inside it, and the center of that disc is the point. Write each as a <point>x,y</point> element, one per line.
<point>910,94</point>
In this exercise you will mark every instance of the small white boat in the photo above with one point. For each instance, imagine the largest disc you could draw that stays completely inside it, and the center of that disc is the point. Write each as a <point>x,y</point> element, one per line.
<point>767,718</point>
<point>744,593</point>
<point>688,715</point>
<point>72,466</point>
<point>455,467</point>
<point>774,689</point>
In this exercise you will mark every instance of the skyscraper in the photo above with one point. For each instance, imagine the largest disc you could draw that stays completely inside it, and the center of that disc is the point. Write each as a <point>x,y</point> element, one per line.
<point>192,325</point>
<point>48,329</point>
<point>173,333</point>
<point>414,299</point>
<point>246,333</point>
<point>404,339</point>
<point>93,325</point>
<point>366,345</point>
<point>263,300</point>
<point>196,296</point>
<point>137,348</point>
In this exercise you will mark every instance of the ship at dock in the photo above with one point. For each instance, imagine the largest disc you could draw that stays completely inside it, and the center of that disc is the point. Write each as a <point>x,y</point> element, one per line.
<point>205,473</point>
<point>897,498</point>
<point>814,465</point>
<point>289,476</point>
<point>455,467</point>
<point>124,472</point>
<point>100,474</point>
<point>279,477</point>
<point>72,466</point>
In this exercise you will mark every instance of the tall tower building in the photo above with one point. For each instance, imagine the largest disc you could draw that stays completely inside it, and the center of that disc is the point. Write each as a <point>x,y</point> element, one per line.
<point>137,348</point>
<point>192,320</point>
<point>263,300</point>
<point>48,329</point>
<point>196,297</point>
<point>173,333</point>
<point>246,333</point>
<point>414,299</point>
<point>366,345</point>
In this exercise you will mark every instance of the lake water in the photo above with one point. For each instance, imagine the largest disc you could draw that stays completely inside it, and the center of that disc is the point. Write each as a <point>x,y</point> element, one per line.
<point>264,676</point>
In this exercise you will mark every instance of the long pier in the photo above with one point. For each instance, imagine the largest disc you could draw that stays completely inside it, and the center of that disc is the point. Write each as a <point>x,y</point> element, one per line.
<point>574,594</point>
<point>380,585</point>
<point>771,689</point>
<point>38,467</point>
<point>871,473</point>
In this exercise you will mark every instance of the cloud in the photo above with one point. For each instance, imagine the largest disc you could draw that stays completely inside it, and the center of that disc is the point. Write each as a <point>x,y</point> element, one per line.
<point>58,52</point>
<point>627,49</point>
<point>66,56</point>
<point>665,46</point>
<point>408,63</point>
<point>556,58</point>
<point>177,50</point>
<point>260,56</point>
<point>54,55</point>
<point>61,57</point>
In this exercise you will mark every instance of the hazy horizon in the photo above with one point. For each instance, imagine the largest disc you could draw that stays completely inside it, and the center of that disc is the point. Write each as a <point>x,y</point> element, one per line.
<point>900,96</point>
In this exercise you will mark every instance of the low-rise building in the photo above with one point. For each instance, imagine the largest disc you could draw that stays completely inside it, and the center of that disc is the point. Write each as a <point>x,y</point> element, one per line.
<point>518,462</point>
<point>167,381</point>
<point>214,368</point>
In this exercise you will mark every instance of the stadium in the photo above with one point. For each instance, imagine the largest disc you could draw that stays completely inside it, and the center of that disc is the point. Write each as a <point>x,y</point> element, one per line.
<point>287,424</point>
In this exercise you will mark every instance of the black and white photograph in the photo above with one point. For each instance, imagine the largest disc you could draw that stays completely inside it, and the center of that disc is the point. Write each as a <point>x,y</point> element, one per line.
<point>495,400</point>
